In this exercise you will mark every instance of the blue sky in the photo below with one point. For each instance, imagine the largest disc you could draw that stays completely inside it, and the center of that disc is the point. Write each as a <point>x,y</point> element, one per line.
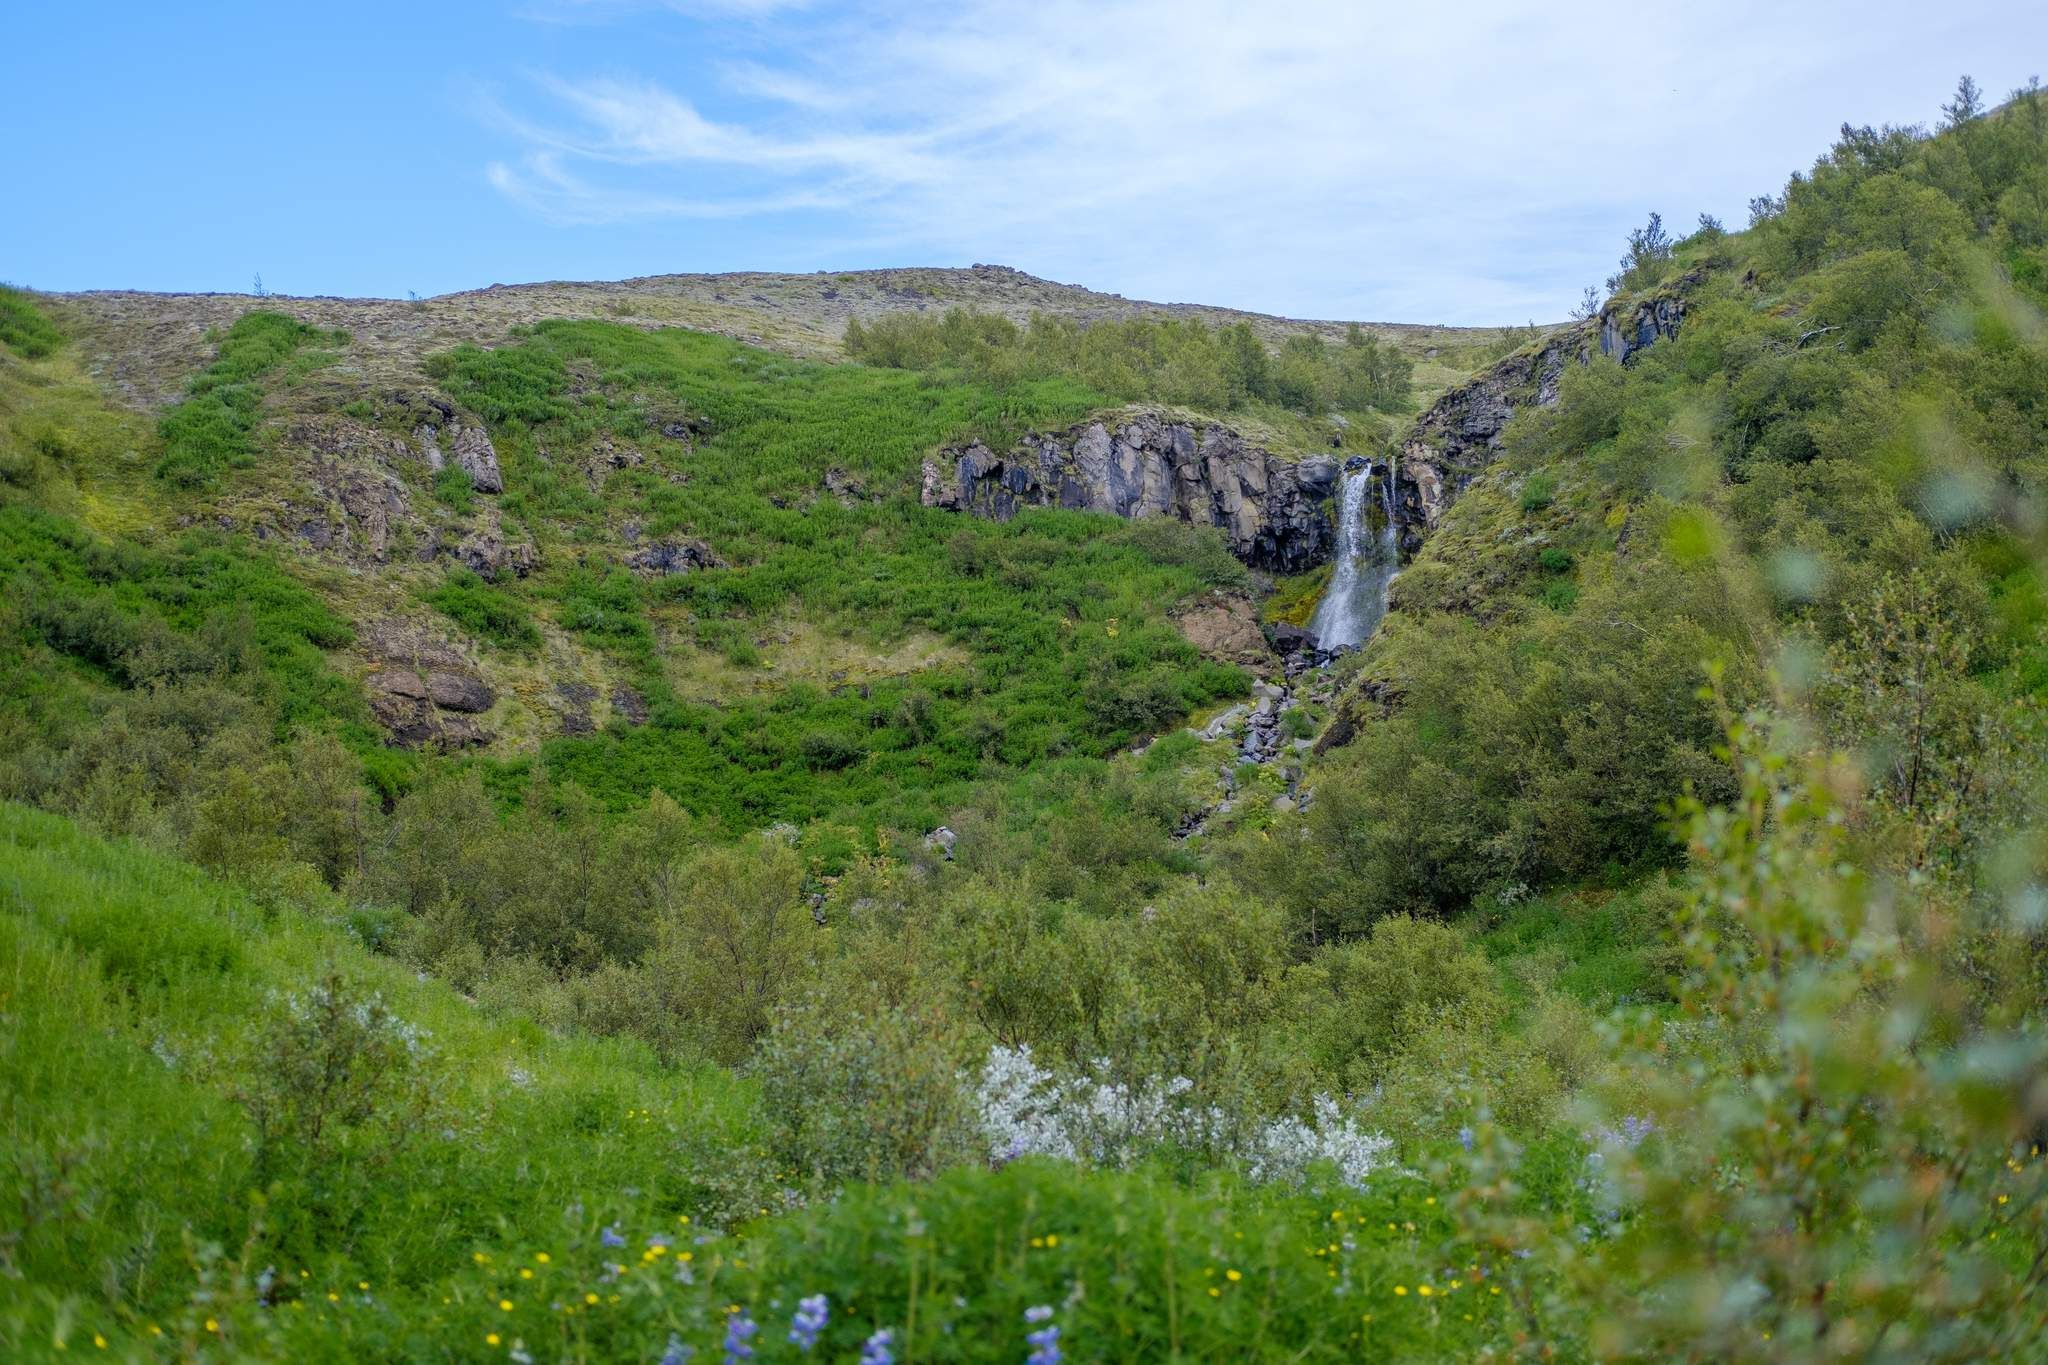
<point>1478,162</point>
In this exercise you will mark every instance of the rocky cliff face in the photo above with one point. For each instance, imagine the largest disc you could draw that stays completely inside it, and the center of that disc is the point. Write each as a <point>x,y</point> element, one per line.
<point>1460,434</point>
<point>1146,465</point>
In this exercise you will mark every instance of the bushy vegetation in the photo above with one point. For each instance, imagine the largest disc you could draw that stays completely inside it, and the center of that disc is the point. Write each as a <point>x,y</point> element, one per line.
<point>1216,369</point>
<point>1654,970</point>
<point>485,612</point>
<point>1059,617</point>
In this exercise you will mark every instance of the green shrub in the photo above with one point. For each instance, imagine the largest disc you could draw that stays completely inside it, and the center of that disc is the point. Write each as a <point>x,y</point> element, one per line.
<point>335,1078</point>
<point>873,1095</point>
<point>1376,995</point>
<point>455,489</point>
<point>488,612</point>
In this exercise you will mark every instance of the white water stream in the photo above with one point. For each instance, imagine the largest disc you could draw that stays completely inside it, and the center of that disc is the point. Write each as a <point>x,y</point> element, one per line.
<point>1366,563</point>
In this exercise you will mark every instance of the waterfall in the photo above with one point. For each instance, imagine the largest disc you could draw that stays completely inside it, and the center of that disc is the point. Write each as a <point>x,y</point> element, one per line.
<point>1366,563</point>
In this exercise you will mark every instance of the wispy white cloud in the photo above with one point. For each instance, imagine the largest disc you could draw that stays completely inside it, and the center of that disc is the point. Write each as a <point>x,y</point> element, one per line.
<point>1319,156</point>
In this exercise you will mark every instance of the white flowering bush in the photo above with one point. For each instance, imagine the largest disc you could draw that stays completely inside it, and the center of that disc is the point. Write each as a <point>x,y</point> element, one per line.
<point>335,1069</point>
<point>1285,1148</point>
<point>1027,1110</point>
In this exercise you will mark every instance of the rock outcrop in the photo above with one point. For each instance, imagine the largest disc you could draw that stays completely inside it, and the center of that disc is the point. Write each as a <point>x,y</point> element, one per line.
<point>486,553</point>
<point>423,690</point>
<point>1146,465</point>
<point>469,449</point>
<point>661,558</point>
<point>1225,627</point>
<point>1460,433</point>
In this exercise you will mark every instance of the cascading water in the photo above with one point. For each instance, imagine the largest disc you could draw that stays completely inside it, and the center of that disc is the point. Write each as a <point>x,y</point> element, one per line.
<point>1366,563</point>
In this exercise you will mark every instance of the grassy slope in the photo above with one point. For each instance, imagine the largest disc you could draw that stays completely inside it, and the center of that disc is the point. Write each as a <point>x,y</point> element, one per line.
<point>137,991</point>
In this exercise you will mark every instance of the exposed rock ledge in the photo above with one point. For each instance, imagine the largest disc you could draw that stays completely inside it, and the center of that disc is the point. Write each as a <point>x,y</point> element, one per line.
<point>1460,434</point>
<point>1147,465</point>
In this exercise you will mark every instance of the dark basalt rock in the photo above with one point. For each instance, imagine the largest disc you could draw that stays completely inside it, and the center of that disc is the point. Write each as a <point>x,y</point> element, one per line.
<point>630,704</point>
<point>423,689</point>
<point>661,558</point>
<point>1460,434</point>
<point>459,691</point>
<point>1147,465</point>
<point>488,554</point>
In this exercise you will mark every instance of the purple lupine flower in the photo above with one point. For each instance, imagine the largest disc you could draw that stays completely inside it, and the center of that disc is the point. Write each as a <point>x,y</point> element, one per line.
<point>811,1316</point>
<point>1465,1138</point>
<point>611,1237</point>
<point>875,1350</point>
<point>1042,1313</point>
<point>739,1331</point>
<point>677,1353</point>
<point>1045,1346</point>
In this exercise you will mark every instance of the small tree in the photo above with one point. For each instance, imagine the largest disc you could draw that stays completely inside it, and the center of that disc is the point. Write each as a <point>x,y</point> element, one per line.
<point>1841,1160</point>
<point>335,1075</point>
<point>1649,253</point>
<point>1966,107</point>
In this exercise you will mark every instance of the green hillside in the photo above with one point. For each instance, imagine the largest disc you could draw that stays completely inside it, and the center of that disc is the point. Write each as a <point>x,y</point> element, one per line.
<point>526,835</point>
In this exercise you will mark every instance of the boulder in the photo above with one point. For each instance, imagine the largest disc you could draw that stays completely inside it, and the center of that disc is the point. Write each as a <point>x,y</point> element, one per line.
<point>1225,627</point>
<point>842,485</point>
<point>475,456</point>
<point>459,691</point>
<point>423,689</point>
<point>404,704</point>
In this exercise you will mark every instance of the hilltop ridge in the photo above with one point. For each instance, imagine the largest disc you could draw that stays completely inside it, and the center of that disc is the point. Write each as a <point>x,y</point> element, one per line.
<point>146,343</point>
